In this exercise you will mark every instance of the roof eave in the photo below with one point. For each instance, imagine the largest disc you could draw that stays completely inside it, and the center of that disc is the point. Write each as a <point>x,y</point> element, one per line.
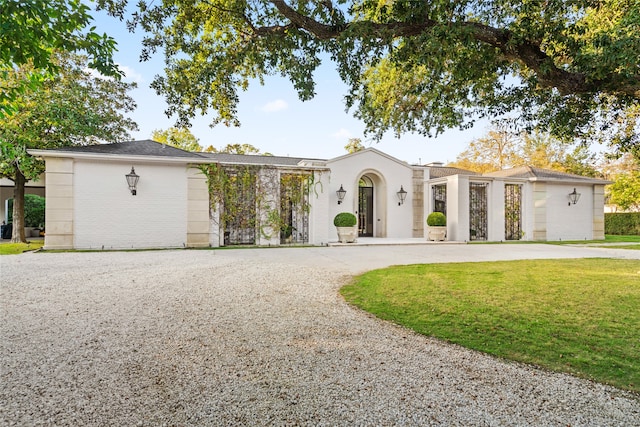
<point>117,157</point>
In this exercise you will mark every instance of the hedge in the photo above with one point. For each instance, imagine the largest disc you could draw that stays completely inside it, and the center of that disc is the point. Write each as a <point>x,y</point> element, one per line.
<point>623,223</point>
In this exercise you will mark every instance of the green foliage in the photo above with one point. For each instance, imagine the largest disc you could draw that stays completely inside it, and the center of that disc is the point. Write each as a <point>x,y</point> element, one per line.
<point>436,219</point>
<point>541,312</point>
<point>622,223</point>
<point>34,210</point>
<point>181,138</point>
<point>236,149</point>
<point>625,191</point>
<point>240,198</point>
<point>345,219</point>
<point>411,66</point>
<point>33,30</point>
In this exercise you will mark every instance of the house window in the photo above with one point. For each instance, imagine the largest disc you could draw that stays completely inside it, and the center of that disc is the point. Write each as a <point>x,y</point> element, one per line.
<point>440,198</point>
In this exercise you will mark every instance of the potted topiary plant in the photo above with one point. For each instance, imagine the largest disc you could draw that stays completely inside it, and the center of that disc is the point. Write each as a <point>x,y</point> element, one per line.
<point>436,226</point>
<point>345,223</point>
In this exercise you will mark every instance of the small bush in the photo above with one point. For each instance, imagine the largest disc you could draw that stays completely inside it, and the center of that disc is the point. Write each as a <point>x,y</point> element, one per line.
<point>345,219</point>
<point>436,219</point>
<point>623,223</point>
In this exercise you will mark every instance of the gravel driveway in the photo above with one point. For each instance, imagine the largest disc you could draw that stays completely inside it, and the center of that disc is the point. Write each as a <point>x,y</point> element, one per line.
<point>258,337</point>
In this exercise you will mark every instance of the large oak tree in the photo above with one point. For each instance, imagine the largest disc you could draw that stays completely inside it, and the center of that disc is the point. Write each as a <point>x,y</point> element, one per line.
<point>568,66</point>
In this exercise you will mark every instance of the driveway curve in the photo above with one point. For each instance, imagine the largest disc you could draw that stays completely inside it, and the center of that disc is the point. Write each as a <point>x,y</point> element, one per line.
<point>259,337</point>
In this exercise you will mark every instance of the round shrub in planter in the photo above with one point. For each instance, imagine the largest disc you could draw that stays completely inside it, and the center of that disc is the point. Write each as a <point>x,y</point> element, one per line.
<point>345,219</point>
<point>437,226</point>
<point>436,219</point>
<point>345,223</point>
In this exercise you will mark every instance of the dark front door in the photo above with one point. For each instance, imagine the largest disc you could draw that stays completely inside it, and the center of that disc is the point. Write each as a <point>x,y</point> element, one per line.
<point>365,212</point>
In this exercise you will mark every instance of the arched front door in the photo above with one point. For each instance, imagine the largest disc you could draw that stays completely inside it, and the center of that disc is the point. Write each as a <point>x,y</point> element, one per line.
<point>365,207</point>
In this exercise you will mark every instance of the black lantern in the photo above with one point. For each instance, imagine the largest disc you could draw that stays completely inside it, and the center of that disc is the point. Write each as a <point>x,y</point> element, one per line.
<point>574,196</point>
<point>401,195</point>
<point>132,180</point>
<point>341,192</point>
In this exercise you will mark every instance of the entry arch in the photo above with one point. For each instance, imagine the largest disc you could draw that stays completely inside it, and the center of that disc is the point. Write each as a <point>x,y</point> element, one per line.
<point>375,186</point>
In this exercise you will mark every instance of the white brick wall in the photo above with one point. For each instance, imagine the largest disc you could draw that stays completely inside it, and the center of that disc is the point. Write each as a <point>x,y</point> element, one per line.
<point>566,222</point>
<point>107,215</point>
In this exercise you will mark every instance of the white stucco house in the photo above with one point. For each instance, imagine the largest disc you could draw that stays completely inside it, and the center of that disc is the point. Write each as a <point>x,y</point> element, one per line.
<point>185,199</point>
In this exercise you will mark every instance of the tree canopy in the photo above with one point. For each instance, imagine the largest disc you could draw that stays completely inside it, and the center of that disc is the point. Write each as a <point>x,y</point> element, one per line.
<point>625,190</point>
<point>500,149</point>
<point>33,30</point>
<point>177,137</point>
<point>567,66</point>
<point>354,145</point>
<point>236,149</point>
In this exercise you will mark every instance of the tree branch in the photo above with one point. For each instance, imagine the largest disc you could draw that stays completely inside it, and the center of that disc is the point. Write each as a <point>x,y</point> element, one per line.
<point>528,53</point>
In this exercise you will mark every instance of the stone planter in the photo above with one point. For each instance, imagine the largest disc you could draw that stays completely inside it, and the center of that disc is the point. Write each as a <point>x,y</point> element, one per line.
<point>347,234</point>
<point>437,233</point>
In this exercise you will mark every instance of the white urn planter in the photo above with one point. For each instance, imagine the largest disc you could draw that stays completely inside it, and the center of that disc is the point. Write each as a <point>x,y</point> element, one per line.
<point>437,233</point>
<point>346,224</point>
<point>347,234</point>
<point>436,227</point>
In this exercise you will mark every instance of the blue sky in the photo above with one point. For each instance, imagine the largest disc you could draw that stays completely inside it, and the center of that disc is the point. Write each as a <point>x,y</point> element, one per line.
<point>272,117</point>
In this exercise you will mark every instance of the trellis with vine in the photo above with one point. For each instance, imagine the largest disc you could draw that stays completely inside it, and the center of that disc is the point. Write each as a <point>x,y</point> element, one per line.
<point>228,197</point>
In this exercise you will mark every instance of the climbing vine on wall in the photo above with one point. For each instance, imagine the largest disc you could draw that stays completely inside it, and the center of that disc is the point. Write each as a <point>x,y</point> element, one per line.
<point>252,197</point>
<point>233,195</point>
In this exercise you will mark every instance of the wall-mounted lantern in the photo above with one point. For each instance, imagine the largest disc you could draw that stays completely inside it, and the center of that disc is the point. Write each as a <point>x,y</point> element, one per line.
<point>574,196</point>
<point>402,195</point>
<point>341,192</point>
<point>132,180</point>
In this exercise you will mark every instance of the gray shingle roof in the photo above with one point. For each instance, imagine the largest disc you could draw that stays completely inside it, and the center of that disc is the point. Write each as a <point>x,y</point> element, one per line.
<point>442,171</point>
<point>254,159</point>
<point>145,147</point>
<point>539,174</point>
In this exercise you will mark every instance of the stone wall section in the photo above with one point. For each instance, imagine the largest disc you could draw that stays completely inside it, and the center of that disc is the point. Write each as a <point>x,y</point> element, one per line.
<point>198,209</point>
<point>539,211</point>
<point>419,217</point>
<point>59,204</point>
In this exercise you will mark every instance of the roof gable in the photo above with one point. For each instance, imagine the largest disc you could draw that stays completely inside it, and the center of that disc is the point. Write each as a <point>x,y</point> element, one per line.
<point>368,151</point>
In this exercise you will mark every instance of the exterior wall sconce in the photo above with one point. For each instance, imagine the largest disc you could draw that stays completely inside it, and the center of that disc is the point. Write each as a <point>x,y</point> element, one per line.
<point>402,195</point>
<point>132,180</point>
<point>574,196</point>
<point>341,192</point>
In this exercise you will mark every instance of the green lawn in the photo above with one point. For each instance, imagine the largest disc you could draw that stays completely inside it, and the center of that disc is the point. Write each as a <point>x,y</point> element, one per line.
<point>615,238</point>
<point>18,248</point>
<point>576,316</point>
